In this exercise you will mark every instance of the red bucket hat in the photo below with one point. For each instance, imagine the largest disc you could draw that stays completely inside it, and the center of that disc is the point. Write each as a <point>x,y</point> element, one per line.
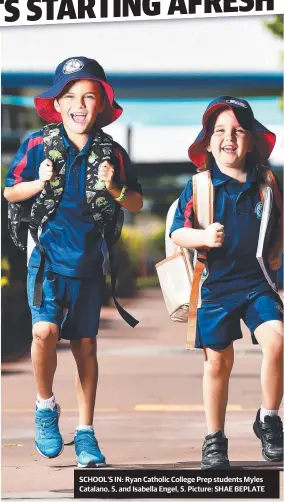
<point>265,138</point>
<point>72,69</point>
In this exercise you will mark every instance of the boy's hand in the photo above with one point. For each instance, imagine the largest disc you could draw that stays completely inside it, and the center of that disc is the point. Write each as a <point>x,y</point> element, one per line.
<point>45,171</point>
<point>214,235</point>
<point>106,173</point>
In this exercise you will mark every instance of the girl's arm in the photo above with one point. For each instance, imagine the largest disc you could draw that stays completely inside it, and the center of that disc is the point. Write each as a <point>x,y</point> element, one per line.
<point>212,237</point>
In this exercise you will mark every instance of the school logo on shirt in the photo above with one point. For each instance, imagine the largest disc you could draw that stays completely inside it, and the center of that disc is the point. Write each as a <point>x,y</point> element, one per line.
<point>72,66</point>
<point>258,210</point>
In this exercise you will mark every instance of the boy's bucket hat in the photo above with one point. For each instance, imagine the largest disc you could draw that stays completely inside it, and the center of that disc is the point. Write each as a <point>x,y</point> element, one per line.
<point>241,108</point>
<point>72,69</point>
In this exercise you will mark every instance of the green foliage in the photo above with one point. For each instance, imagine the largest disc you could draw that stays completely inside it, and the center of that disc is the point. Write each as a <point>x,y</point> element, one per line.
<point>156,242</point>
<point>134,242</point>
<point>5,272</point>
<point>277,26</point>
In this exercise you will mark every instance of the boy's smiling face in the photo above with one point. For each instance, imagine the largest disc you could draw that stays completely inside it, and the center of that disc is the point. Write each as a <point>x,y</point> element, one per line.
<point>229,142</point>
<point>79,106</point>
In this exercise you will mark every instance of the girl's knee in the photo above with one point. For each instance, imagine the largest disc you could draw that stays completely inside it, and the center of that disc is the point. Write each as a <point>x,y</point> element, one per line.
<point>274,350</point>
<point>218,363</point>
<point>217,368</point>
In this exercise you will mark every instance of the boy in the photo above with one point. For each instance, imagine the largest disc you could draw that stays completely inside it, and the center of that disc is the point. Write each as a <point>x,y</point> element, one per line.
<point>234,146</point>
<point>81,100</point>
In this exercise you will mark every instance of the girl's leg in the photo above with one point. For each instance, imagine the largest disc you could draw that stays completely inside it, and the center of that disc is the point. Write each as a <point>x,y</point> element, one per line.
<point>268,425</point>
<point>217,369</point>
<point>270,337</point>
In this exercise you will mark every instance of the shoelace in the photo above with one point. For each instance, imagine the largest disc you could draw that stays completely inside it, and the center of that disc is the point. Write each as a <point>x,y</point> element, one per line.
<point>47,426</point>
<point>85,440</point>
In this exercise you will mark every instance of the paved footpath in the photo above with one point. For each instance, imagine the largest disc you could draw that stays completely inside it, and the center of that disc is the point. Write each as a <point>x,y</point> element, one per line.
<point>149,409</point>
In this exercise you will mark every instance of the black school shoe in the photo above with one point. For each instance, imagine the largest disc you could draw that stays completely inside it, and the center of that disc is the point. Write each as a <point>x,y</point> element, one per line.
<point>215,452</point>
<point>270,432</point>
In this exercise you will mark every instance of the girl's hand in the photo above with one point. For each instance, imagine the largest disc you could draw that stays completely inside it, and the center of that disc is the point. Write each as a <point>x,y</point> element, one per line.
<point>214,235</point>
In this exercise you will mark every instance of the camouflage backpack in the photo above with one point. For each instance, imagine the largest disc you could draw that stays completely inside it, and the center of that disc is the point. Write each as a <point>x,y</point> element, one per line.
<point>107,213</point>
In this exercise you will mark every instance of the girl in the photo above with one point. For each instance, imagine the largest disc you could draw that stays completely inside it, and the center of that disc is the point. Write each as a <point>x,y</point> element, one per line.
<point>233,146</point>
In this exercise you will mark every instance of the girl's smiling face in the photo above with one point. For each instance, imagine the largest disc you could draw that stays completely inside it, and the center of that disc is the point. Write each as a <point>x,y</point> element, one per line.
<point>229,142</point>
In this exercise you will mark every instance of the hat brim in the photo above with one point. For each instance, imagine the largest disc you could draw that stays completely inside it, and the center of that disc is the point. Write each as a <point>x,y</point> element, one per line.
<point>45,107</point>
<point>265,139</point>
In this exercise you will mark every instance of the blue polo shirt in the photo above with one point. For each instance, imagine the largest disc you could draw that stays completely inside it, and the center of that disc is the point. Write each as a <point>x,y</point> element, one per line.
<point>73,245</point>
<point>233,268</point>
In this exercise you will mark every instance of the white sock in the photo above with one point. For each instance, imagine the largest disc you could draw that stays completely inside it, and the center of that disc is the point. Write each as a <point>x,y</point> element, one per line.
<point>264,412</point>
<point>45,403</point>
<point>84,428</point>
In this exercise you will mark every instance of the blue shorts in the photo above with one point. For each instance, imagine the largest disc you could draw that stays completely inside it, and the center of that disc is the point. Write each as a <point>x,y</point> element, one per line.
<point>218,323</point>
<point>81,296</point>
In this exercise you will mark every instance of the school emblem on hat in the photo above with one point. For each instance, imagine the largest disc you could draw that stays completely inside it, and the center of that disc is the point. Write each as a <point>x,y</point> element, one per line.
<point>258,210</point>
<point>72,65</point>
<point>236,102</point>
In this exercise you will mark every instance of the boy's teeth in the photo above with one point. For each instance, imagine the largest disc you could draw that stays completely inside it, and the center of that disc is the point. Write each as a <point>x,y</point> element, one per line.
<point>79,118</point>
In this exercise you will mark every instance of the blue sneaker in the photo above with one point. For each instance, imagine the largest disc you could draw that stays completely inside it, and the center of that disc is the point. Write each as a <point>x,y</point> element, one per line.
<point>48,440</point>
<point>88,453</point>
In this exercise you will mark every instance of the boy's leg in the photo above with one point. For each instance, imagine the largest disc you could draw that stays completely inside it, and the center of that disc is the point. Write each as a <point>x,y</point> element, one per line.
<point>217,369</point>
<point>85,355</point>
<point>46,319</point>
<point>81,328</point>
<point>44,357</point>
<point>88,453</point>
<point>48,440</point>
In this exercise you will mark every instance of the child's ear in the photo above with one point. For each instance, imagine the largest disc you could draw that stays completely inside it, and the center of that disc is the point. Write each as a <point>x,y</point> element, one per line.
<point>56,105</point>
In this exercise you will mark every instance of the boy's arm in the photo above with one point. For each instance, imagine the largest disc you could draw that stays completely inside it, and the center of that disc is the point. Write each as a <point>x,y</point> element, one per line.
<point>121,172</point>
<point>23,191</point>
<point>23,180</point>
<point>133,200</point>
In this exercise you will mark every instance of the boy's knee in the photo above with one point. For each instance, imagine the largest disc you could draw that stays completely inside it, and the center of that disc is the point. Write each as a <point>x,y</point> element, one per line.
<point>44,332</point>
<point>84,347</point>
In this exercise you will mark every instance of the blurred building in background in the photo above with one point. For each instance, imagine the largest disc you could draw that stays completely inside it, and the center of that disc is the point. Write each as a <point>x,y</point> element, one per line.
<point>164,74</point>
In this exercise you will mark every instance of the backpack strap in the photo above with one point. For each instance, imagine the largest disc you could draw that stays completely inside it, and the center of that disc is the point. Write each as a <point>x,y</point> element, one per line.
<point>49,198</point>
<point>276,245</point>
<point>203,207</point>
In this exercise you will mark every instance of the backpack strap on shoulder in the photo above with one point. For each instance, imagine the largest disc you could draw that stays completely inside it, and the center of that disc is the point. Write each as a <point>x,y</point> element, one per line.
<point>203,207</point>
<point>49,198</point>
